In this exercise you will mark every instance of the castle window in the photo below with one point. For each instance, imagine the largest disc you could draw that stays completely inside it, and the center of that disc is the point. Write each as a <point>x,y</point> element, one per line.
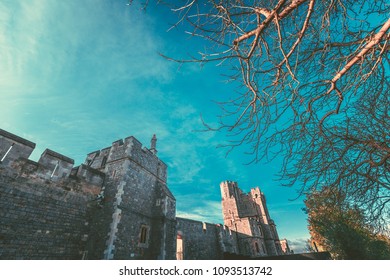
<point>143,235</point>
<point>226,229</point>
<point>104,162</point>
<point>261,231</point>
<point>257,247</point>
<point>55,169</point>
<point>9,149</point>
<point>248,250</point>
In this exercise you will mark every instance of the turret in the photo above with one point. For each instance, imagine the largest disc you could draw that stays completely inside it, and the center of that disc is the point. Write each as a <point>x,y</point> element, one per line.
<point>153,144</point>
<point>228,189</point>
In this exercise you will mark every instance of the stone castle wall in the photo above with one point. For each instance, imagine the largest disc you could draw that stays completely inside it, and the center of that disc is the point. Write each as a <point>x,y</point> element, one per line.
<point>45,210</point>
<point>42,220</point>
<point>200,240</point>
<point>116,205</point>
<point>205,241</point>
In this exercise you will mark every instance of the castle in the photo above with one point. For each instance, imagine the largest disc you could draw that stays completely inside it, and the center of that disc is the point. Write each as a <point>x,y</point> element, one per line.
<point>117,205</point>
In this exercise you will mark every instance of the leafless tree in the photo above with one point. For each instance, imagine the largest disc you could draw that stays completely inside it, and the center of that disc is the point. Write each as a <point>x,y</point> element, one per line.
<point>352,154</point>
<point>315,79</point>
<point>300,60</point>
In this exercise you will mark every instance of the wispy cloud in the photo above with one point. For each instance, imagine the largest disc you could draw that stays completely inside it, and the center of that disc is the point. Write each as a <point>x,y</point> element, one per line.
<point>77,75</point>
<point>299,245</point>
<point>199,206</point>
<point>64,66</point>
<point>57,42</point>
<point>73,75</point>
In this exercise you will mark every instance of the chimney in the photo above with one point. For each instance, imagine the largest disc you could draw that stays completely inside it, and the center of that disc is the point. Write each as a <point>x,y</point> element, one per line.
<point>153,144</point>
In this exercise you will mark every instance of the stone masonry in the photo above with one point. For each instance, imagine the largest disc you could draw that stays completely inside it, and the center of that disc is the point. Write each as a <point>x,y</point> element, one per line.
<point>116,205</point>
<point>247,215</point>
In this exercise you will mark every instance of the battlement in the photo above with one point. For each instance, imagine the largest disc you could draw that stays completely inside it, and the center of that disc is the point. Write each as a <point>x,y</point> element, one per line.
<point>247,213</point>
<point>117,205</point>
<point>15,152</point>
<point>16,138</point>
<point>49,154</point>
<point>229,189</point>
<point>54,165</point>
<point>13,147</point>
<point>128,149</point>
<point>89,174</point>
<point>237,204</point>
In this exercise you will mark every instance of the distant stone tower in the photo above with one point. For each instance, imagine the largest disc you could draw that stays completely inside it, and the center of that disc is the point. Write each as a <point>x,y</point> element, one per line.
<point>247,215</point>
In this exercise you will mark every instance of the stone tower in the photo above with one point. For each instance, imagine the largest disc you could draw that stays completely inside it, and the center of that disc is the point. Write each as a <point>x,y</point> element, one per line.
<point>247,215</point>
<point>138,212</point>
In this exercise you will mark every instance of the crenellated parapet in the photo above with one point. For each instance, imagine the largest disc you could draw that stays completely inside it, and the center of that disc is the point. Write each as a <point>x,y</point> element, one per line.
<point>247,215</point>
<point>45,211</point>
<point>53,166</point>
<point>229,189</point>
<point>117,205</point>
<point>13,147</point>
<point>128,149</point>
<point>88,174</point>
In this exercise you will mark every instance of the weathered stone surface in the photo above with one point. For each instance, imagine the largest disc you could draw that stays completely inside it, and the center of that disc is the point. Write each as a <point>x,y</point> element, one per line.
<point>201,240</point>
<point>13,147</point>
<point>116,205</point>
<point>42,221</point>
<point>248,216</point>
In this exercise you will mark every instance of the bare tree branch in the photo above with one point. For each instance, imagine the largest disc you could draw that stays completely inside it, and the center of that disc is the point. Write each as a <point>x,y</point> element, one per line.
<point>314,87</point>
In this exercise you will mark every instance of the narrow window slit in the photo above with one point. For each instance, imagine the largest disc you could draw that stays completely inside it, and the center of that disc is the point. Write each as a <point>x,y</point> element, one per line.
<point>55,169</point>
<point>9,149</point>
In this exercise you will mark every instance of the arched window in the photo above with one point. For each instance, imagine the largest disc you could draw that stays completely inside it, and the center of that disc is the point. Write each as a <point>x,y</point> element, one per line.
<point>261,231</point>
<point>257,247</point>
<point>143,237</point>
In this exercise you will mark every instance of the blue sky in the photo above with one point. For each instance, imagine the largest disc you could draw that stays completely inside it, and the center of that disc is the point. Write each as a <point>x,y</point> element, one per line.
<point>77,75</point>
